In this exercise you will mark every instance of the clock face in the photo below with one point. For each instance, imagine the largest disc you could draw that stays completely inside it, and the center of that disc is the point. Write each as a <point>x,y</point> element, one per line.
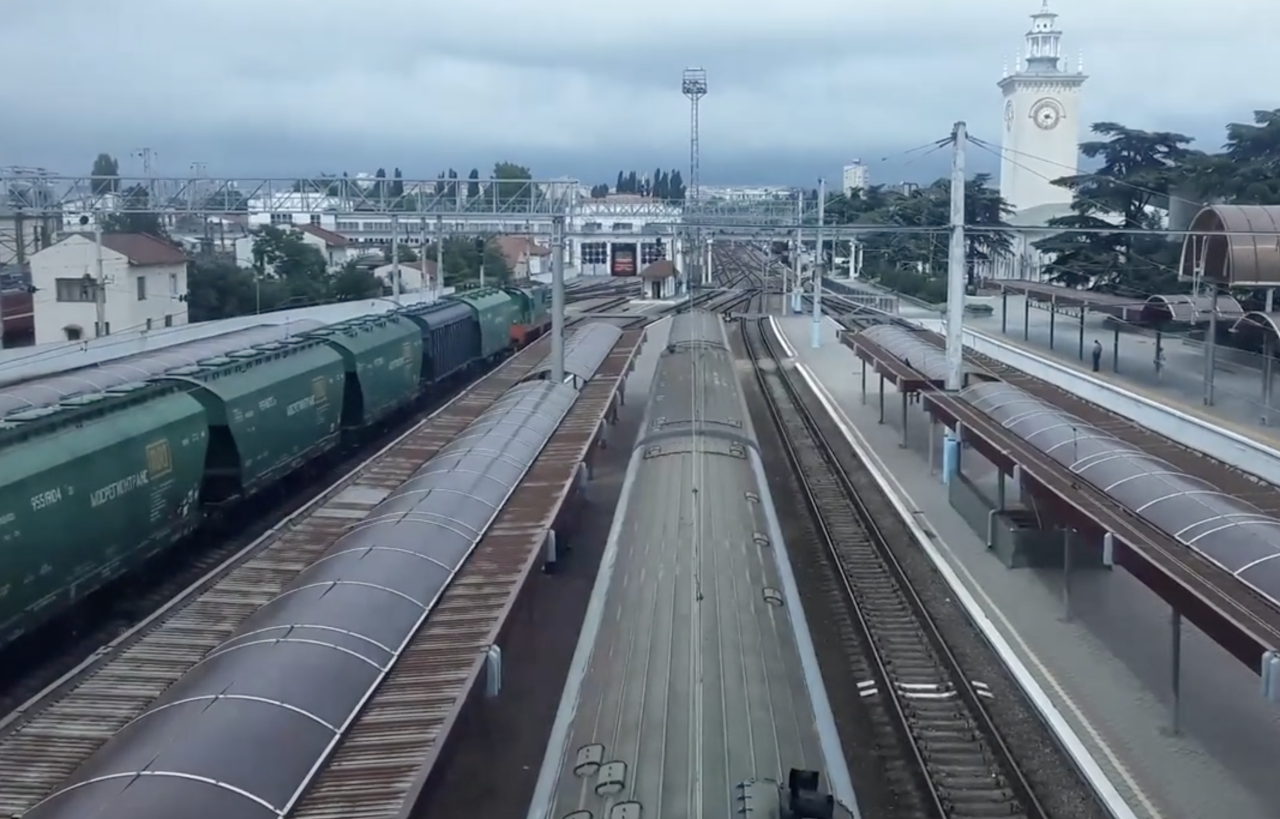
<point>1046,115</point>
<point>1008,115</point>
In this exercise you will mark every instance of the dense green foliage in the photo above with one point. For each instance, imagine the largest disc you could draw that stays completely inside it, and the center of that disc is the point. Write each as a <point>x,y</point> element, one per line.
<point>911,257</point>
<point>1114,239</point>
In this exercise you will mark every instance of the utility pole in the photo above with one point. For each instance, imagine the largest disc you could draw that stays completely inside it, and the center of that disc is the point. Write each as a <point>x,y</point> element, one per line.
<point>395,257</point>
<point>956,279</point>
<point>100,291</point>
<point>422,254</point>
<point>148,173</point>
<point>795,254</point>
<point>557,299</point>
<point>815,334</point>
<point>439,257</point>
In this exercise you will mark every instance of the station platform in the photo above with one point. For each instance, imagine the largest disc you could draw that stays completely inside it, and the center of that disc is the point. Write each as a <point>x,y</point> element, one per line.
<point>1128,360</point>
<point>1102,653</point>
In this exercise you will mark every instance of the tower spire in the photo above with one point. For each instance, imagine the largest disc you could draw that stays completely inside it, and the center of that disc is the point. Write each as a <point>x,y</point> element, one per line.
<point>1044,42</point>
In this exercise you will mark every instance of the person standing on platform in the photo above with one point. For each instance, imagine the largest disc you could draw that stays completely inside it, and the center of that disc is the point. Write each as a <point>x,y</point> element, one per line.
<point>1097,355</point>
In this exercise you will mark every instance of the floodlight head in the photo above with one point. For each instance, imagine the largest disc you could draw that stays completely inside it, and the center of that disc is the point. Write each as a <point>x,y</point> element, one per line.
<point>693,83</point>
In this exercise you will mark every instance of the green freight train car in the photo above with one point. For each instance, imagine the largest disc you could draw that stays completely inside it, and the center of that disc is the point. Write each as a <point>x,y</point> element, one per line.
<point>382,356</point>
<point>270,409</point>
<point>89,489</point>
<point>497,313</point>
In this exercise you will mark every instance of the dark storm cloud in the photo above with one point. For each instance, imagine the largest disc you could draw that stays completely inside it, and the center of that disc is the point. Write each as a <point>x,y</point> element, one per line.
<point>571,88</point>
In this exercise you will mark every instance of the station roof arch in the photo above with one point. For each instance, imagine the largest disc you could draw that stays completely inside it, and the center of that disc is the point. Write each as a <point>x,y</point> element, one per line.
<point>1187,309</point>
<point>1233,246</point>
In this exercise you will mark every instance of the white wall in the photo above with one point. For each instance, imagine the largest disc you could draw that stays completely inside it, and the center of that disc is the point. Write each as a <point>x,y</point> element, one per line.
<point>412,280</point>
<point>123,310</point>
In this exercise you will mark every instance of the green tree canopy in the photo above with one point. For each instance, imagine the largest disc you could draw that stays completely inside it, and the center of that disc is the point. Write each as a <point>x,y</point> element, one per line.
<point>105,174</point>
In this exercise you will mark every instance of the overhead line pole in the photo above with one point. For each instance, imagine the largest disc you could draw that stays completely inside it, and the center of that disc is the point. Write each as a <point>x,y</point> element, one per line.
<point>956,269</point>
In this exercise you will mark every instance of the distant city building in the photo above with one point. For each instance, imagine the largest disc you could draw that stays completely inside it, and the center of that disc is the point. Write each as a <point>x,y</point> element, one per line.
<point>144,286</point>
<point>854,177</point>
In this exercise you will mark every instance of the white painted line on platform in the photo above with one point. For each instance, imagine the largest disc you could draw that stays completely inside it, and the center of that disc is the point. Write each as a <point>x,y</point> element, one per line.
<point>965,589</point>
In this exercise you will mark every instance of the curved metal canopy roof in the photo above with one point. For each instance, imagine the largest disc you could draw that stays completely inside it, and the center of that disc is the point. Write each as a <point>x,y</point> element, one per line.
<point>1232,533</point>
<point>244,731</point>
<point>50,390</point>
<point>910,349</point>
<point>584,351</point>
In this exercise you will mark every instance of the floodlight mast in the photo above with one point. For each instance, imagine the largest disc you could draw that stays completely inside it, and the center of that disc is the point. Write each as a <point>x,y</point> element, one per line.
<point>693,84</point>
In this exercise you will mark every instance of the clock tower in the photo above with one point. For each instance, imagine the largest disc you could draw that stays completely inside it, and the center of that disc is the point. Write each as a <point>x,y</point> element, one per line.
<point>1041,121</point>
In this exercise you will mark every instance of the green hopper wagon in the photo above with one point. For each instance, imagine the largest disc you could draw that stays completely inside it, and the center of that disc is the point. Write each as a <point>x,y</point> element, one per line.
<point>497,312</point>
<point>89,489</point>
<point>382,356</point>
<point>270,408</point>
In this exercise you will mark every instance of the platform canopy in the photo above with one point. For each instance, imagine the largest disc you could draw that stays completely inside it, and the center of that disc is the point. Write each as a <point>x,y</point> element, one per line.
<point>1233,246</point>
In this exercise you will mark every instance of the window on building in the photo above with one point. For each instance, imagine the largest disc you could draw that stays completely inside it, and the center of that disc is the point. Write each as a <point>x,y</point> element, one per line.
<point>168,321</point>
<point>148,324</point>
<point>73,332</point>
<point>622,227</point>
<point>173,284</point>
<point>315,219</point>
<point>282,218</point>
<point>76,290</point>
<point>142,288</point>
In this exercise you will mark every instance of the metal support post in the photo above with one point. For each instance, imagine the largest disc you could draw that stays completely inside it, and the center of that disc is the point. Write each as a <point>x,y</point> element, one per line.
<point>100,289</point>
<point>439,256</point>
<point>1115,349</point>
<point>1004,311</point>
<point>1067,538</point>
<point>395,257</point>
<point>557,299</point>
<point>864,382</point>
<point>422,256</point>
<point>1268,375</point>
<point>881,421</point>
<point>933,442</point>
<point>815,334</point>
<point>1083,313</point>
<point>1175,657</point>
<point>902,444</point>
<point>956,265</point>
<point>1026,318</point>
<point>1053,321</point>
<point>795,254</point>
<point>1210,346</point>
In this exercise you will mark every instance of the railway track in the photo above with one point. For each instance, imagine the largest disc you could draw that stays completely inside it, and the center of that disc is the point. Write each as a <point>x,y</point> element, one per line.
<point>44,740</point>
<point>959,767</point>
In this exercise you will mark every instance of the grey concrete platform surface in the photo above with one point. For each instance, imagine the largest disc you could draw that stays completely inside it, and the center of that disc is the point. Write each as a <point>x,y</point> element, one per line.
<point>1105,659</point>
<point>694,683</point>
<point>1238,398</point>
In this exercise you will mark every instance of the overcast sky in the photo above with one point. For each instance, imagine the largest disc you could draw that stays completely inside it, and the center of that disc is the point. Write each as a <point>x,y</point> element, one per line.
<point>570,87</point>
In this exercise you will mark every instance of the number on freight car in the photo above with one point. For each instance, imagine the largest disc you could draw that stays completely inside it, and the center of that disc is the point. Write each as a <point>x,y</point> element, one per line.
<point>159,459</point>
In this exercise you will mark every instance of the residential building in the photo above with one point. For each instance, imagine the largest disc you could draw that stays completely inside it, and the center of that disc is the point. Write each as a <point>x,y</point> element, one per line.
<point>853,177</point>
<point>524,256</point>
<point>143,283</point>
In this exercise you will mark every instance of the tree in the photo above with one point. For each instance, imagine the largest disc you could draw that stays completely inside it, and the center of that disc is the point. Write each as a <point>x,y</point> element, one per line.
<point>473,184</point>
<point>406,254</point>
<point>283,255</point>
<point>133,216</point>
<point>599,191</point>
<point>397,184</point>
<point>675,187</point>
<point>1138,170</point>
<point>354,282</point>
<point>105,175</point>
<point>514,185</point>
<point>619,185</point>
